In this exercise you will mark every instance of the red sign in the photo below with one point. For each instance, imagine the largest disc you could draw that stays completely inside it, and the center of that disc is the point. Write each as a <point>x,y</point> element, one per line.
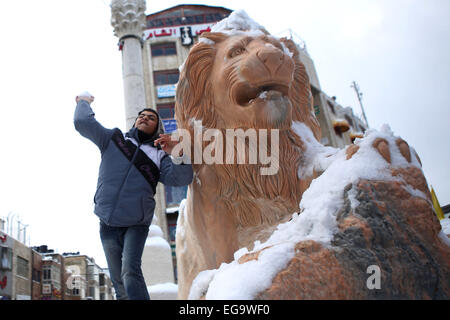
<point>4,282</point>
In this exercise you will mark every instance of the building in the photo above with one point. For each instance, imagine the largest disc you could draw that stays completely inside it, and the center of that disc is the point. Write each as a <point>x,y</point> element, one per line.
<point>339,125</point>
<point>87,280</point>
<point>93,277</point>
<point>15,269</point>
<point>36,275</point>
<point>162,42</point>
<point>6,266</point>
<point>53,271</point>
<point>105,285</point>
<point>21,271</point>
<point>77,265</point>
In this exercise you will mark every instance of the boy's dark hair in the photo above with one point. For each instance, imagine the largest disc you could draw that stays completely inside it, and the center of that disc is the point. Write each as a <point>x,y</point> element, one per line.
<point>149,109</point>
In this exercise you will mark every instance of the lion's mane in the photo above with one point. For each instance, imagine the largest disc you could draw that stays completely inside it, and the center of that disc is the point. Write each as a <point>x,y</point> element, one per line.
<point>240,186</point>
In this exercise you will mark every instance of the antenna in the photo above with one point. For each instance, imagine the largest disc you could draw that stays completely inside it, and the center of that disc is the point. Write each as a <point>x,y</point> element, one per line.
<point>359,94</point>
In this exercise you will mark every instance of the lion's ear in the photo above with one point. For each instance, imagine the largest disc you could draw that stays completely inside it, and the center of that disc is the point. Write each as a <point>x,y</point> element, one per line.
<point>291,46</point>
<point>216,37</point>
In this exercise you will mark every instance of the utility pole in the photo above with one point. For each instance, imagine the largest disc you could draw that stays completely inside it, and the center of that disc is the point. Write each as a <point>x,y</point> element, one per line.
<point>359,94</point>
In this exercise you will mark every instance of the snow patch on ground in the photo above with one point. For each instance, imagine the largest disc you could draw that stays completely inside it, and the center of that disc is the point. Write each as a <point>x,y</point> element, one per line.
<point>157,242</point>
<point>163,291</point>
<point>155,238</point>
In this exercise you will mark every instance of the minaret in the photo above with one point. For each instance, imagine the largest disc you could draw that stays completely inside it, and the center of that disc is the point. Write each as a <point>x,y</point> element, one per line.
<point>128,20</point>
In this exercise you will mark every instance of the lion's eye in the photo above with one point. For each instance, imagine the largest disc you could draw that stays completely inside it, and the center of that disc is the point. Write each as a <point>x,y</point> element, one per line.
<point>235,52</point>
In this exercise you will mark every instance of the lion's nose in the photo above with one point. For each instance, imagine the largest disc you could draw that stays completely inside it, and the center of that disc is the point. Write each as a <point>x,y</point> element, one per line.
<point>271,57</point>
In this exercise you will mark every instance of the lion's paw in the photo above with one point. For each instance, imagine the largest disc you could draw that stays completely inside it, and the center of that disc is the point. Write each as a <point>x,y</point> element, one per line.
<point>382,146</point>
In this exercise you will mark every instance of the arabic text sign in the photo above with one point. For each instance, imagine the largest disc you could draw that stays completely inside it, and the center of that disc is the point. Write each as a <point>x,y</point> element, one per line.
<point>166,91</point>
<point>170,125</point>
<point>197,29</point>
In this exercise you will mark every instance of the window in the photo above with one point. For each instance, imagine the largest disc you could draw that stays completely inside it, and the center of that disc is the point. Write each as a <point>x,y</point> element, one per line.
<point>166,77</point>
<point>209,18</point>
<point>163,49</point>
<point>101,279</point>
<point>174,195</point>
<point>156,23</point>
<point>5,258</point>
<point>178,21</point>
<point>102,296</point>
<point>91,273</point>
<point>169,22</point>
<point>218,16</point>
<point>56,274</point>
<point>199,19</point>
<point>191,16</point>
<point>92,292</point>
<point>75,291</point>
<point>166,111</point>
<point>190,20</point>
<point>22,267</point>
<point>47,273</point>
<point>36,275</point>
<point>316,110</point>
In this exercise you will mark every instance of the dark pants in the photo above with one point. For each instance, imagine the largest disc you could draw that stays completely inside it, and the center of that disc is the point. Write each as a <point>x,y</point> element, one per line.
<point>123,248</point>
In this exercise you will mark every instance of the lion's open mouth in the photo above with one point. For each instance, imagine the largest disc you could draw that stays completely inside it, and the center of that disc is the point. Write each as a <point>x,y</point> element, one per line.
<point>246,94</point>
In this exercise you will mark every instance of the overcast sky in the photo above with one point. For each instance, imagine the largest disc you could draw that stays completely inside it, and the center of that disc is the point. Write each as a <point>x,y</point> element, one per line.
<point>51,50</point>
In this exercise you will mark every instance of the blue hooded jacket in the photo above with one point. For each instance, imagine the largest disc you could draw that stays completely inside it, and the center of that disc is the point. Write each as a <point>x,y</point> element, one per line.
<point>129,171</point>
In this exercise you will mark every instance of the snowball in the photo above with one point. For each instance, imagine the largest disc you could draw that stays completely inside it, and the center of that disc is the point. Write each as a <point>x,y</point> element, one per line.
<point>85,94</point>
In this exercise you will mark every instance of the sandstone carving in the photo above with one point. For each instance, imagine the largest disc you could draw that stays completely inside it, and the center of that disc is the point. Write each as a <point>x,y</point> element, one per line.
<point>250,79</point>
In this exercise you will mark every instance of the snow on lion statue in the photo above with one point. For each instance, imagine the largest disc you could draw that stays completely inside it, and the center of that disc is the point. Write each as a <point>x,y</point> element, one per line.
<point>240,77</point>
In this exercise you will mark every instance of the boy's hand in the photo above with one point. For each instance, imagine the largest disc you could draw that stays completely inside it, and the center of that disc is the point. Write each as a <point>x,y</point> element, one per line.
<point>166,143</point>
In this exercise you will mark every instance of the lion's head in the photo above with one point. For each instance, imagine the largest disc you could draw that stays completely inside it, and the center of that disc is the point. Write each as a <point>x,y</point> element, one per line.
<point>245,81</point>
<point>248,80</point>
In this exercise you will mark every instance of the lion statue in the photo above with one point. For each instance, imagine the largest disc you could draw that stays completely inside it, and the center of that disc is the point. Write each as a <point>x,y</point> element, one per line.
<point>244,80</point>
<point>235,205</point>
